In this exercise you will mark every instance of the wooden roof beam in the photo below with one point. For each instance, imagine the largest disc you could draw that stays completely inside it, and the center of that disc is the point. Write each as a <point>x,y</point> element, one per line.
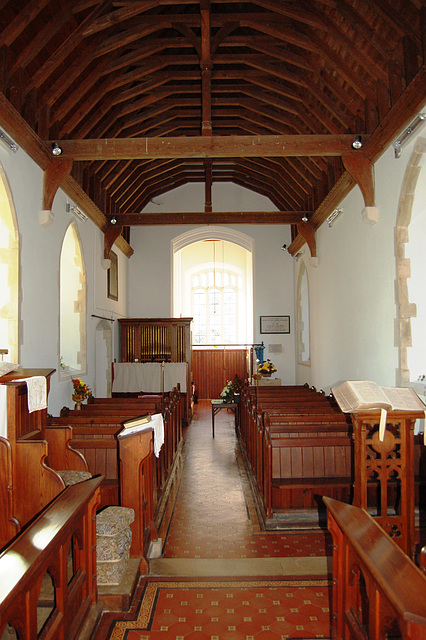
<point>215,217</point>
<point>207,147</point>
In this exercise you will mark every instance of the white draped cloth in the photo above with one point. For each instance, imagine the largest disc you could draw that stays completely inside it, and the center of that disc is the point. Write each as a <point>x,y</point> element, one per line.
<point>36,392</point>
<point>156,424</point>
<point>147,377</point>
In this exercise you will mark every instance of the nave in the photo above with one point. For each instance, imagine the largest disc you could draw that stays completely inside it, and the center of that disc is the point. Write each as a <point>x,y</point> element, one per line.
<point>220,576</point>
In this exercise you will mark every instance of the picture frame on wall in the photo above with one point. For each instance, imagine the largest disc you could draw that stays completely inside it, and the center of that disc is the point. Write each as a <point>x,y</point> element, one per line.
<point>112,277</point>
<point>274,324</point>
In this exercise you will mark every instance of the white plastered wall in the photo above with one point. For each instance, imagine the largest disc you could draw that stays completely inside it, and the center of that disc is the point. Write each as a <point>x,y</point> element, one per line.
<point>150,269</point>
<point>39,276</point>
<point>352,291</point>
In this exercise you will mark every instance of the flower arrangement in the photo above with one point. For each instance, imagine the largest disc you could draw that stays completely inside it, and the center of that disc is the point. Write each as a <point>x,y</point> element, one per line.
<point>228,391</point>
<point>81,389</point>
<point>266,366</point>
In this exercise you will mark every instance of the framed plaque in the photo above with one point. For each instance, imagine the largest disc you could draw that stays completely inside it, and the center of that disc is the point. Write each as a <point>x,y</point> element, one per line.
<point>274,324</point>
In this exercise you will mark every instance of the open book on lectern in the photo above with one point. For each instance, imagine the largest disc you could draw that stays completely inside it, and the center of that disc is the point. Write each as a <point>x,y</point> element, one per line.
<point>362,395</point>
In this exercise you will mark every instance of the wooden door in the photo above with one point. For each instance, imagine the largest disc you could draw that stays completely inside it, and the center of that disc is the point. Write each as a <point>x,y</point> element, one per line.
<point>212,368</point>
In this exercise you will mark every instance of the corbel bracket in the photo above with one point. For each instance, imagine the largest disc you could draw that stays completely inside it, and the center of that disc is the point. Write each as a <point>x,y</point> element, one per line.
<point>56,171</point>
<point>110,236</point>
<point>362,171</point>
<point>308,233</point>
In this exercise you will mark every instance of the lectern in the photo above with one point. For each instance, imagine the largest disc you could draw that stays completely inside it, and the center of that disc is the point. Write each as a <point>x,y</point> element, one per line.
<point>384,472</point>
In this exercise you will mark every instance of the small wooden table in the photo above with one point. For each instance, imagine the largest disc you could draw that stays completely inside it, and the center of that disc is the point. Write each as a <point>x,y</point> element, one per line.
<point>217,405</point>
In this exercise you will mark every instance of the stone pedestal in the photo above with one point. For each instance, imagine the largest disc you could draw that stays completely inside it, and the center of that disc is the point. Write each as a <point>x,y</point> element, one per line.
<point>113,541</point>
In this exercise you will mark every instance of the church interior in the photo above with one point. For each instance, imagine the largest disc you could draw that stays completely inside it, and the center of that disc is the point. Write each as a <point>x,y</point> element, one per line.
<point>212,312</point>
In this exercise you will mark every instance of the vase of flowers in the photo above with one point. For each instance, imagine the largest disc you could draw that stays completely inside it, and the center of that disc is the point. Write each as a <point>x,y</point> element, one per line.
<point>80,392</point>
<point>266,368</point>
<point>227,393</point>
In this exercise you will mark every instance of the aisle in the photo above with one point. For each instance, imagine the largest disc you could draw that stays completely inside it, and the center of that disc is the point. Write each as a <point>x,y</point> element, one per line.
<point>221,577</point>
<point>214,515</point>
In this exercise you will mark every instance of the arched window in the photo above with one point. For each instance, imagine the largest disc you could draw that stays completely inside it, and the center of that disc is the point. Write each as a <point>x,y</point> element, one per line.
<point>72,305</point>
<point>214,306</point>
<point>213,284</point>
<point>9,273</point>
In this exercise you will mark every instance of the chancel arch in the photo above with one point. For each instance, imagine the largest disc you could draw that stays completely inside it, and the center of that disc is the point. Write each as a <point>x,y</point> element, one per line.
<point>409,250</point>
<point>9,272</point>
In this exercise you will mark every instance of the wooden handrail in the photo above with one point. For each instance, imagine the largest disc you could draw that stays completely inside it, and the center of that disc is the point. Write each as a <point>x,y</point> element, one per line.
<point>376,586</point>
<point>67,525</point>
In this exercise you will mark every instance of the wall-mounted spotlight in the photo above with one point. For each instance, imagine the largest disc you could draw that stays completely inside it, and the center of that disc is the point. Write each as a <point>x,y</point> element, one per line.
<point>357,143</point>
<point>113,220</point>
<point>420,119</point>
<point>77,212</point>
<point>8,141</point>
<point>56,149</point>
<point>284,247</point>
<point>333,216</point>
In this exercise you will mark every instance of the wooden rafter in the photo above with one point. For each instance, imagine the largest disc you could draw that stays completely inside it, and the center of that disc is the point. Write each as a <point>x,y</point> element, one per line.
<point>208,147</point>
<point>199,82</point>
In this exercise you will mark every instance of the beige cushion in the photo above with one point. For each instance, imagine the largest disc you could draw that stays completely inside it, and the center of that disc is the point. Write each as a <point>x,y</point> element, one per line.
<point>74,477</point>
<point>113,519</point>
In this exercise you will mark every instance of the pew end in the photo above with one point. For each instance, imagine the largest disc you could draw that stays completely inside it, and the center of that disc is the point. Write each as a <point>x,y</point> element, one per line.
<point>61,454</point>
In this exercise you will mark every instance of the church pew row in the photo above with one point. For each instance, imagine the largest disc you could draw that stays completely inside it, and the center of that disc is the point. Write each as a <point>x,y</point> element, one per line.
<point>298,445</point>
<point>29,480</point>
<point>96,426</point>
<point>35,455</point>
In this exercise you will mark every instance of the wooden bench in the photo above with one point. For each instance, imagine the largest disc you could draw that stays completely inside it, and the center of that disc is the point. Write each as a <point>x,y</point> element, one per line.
<point>95,429</point>
<point>299,447</point>
<point>67,552</point>
<point>34,480</point>
<point>378,592</point>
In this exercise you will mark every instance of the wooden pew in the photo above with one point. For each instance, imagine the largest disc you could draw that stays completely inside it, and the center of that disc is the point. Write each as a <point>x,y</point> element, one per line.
<point>299,447</point>
<point>34,483</point>
<point>95,429</point>
<point>67,552</point>
<point>378,592</point>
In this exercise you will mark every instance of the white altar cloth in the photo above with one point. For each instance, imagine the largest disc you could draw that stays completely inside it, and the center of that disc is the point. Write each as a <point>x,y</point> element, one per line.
<point>146,377</point>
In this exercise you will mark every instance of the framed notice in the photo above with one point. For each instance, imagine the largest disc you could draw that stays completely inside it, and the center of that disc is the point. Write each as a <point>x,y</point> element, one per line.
<point>274,324</point>
<point>112,278</point>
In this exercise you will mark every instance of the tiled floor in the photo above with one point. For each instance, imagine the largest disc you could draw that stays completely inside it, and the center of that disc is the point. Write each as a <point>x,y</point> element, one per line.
<point>236,582</point>
<point>214,516</point>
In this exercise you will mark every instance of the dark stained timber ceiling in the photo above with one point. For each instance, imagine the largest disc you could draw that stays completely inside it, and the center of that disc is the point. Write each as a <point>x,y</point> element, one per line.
<point>265,94</point>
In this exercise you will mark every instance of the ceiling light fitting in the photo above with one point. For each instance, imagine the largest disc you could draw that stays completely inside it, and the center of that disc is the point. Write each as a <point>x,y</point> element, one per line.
<point>56,149</point>
<point>397,145</point>
<point>357,143</point>
<point>77,212</point>
<point>8,141</point>
<point>113,220</point>
<point>333,216</point>
<point>305,219</point>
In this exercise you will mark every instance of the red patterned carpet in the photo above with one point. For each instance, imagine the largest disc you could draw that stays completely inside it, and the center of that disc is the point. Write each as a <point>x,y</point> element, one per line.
<point>227,610</point>
<point>214,517</point>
